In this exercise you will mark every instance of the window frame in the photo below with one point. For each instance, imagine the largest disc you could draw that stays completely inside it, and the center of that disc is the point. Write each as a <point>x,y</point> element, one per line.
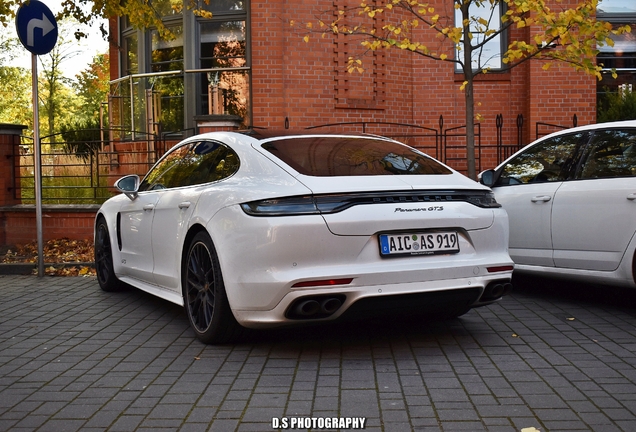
<point>187,149</point>
<point>502,38</point>
<point>567,172</point>
<point>624,62</point>
<point>242,15</point>
<point>589,151</point>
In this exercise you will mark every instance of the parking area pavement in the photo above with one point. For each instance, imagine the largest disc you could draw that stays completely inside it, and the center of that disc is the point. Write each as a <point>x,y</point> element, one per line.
<point>550,356</point>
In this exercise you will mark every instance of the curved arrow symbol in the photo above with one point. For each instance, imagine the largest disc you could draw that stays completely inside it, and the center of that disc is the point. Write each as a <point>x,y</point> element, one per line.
<point>43,24</point>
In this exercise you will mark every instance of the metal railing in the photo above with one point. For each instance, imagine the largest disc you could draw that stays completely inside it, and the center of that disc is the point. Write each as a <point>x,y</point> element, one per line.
<point>423,138</point>
<point>552,127</point>
<point>84,171</point>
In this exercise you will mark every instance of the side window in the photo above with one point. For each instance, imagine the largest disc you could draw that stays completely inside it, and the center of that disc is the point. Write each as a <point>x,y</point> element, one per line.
<point>160,176</point>
<point>549,161</point>
<point>208,161</point>
<point>612,153</point>
<point>192,164</point>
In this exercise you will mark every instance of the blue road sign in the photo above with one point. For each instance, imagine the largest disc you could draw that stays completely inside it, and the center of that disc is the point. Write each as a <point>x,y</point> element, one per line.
<point>36,26</point>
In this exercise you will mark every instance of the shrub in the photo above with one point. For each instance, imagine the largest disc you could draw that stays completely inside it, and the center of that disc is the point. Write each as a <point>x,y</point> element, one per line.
<point>81,138</point>
<point>616,106</point>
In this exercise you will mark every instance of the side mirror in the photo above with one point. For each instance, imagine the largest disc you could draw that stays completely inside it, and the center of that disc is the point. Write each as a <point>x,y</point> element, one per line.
<point>487,178</point>
<point>128,185</point>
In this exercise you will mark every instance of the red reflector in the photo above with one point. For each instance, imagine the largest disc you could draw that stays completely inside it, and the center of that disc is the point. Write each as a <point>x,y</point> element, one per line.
<point>500,269</point>
<point>324,282</point>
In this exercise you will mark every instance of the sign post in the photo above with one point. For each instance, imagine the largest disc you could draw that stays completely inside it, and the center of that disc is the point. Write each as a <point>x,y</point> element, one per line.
<point>37,30</point>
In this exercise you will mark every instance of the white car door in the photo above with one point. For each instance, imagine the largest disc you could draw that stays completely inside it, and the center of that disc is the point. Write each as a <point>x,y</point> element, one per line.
<point>526,188</point>
<point>594,216</point>
<point>137,217</point>
<point>136,224</point>
<point>200,164</point>
<point>529,208</point>
<point>170,225</point>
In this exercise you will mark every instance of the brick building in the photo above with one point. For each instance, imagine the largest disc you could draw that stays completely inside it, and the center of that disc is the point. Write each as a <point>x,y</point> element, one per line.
<point>247,67</point>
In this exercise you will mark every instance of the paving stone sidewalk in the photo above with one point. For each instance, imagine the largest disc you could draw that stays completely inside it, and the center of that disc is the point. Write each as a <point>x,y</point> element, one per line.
<point>553,358</point>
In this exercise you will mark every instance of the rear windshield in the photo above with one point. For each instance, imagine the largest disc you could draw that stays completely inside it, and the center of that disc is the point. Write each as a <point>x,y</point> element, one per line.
<point>352,156</point>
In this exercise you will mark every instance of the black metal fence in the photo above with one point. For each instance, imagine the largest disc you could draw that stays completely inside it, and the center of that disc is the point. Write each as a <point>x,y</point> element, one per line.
<point>445,144</point>
<point>83,170</point>
<point>543,129</point>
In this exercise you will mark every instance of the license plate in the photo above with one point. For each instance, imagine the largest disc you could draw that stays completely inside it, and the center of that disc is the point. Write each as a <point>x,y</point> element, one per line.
<point>419,244</point>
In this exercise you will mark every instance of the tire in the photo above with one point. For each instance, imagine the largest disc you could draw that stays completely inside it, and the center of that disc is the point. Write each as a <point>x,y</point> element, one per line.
<point>204,297</point>
<point>104,259</point>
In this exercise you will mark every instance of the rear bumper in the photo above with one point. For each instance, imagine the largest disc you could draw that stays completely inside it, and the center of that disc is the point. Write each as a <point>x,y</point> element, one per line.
<point>262,259</point>
<point>439,296</point>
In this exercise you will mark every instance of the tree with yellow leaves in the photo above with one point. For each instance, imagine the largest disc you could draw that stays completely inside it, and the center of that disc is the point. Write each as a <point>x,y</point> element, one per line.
<point>140,13</point>
<point>469,32</point>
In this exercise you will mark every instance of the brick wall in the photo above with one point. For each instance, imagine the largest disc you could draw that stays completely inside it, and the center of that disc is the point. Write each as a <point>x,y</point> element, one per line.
<point>307,83</point>
<point>18,224</point>
<point>9,162</point>
<point>298,84</point>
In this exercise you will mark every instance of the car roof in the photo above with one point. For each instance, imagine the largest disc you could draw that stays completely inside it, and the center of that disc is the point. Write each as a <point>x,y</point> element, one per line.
<point>593,126</point>
<point>266,134</point>
<point>589,127</point>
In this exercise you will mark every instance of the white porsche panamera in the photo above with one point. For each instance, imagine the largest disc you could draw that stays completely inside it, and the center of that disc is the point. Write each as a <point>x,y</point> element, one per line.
<point>254,231</point>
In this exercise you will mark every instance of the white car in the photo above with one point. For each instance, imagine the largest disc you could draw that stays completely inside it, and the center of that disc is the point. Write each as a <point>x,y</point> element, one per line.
<point>571,200</point>
<point>249,231</point>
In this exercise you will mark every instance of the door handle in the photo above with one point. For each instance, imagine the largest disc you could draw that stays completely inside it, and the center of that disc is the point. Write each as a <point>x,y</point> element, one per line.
<point>149,207</point>
<point>184,205</point>
<point>631,196</point>
<point>541,198</point>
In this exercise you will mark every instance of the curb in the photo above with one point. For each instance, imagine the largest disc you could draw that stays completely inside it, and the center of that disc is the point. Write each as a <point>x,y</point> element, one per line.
<point>29,268</point>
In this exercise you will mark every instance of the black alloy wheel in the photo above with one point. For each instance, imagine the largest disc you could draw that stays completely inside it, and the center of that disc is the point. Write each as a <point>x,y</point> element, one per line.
<point>204,294</point>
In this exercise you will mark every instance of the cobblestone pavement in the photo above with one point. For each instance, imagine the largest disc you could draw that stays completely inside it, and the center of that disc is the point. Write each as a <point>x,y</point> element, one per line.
<point>549,357</point>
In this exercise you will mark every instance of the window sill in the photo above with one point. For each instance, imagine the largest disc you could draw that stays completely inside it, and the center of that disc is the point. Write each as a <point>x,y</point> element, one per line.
<point>490,76</point>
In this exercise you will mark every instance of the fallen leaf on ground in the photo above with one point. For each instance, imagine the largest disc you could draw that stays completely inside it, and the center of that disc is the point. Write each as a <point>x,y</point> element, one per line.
<point>55,252</point>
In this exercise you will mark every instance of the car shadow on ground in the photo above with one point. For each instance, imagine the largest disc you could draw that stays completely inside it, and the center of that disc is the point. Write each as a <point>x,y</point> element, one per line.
<point>579,292</point>
<point>416,326</point>
<point>392,326</point>
<point>361,330</point>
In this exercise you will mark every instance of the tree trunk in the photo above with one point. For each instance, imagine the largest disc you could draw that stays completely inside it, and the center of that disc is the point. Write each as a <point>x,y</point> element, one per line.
<point>469,97</point>
<point>470,127</point>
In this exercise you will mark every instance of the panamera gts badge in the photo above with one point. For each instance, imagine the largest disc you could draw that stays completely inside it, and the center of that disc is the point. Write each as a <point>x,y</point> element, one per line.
<point>419,209</point>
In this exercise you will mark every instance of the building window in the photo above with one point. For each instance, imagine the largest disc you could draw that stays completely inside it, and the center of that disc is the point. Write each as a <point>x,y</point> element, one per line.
<point>622,56</point>
<point>218,6</point>
<point>203,70</point>
<point>167,55</point>
<point>131,64</point>
<point>165,93</point>
<point>621,7</point>
<point>166,8</point>
<point>223,53</point>
<point>223,83</point>
<point>489,55</point>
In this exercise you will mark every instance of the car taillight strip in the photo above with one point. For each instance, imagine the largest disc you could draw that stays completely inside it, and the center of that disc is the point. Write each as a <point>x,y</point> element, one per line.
<point>334,203</point>
<point>498,269</point>
<point>322,282</point>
